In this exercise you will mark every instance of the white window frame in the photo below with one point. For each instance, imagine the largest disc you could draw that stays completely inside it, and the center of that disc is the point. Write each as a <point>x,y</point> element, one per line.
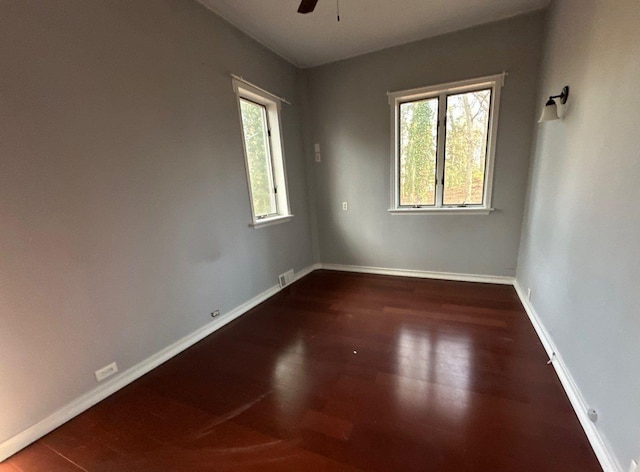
<point>273,105</point>
<point>441,91</point>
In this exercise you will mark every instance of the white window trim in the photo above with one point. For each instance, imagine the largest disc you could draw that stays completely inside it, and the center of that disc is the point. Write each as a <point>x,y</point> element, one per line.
<point>273,220</point>
<point>495,83</point>
<point>273,104</point>
<point>445,210</point>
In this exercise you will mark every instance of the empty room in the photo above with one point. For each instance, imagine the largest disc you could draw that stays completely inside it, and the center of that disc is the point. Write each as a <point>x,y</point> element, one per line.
<point>332,235</point>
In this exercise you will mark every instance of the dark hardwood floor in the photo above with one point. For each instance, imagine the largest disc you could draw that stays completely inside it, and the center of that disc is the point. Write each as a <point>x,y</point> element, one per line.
<point>341,372</point>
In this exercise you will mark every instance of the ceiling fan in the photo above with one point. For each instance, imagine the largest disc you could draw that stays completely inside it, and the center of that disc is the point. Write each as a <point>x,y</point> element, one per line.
<point>307,6</point>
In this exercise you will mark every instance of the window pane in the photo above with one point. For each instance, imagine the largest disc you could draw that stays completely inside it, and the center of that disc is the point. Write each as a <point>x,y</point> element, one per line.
<point>418,143</point>
<point>466,147</point>
<point>256,141</point>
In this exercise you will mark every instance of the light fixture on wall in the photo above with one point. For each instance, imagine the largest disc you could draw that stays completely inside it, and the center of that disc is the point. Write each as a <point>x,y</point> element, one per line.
<point>550,110</point>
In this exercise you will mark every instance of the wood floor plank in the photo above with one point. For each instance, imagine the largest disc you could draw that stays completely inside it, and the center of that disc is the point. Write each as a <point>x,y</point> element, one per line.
<point>42,458</point>
<point>340,371</point>
<point>8,467</point>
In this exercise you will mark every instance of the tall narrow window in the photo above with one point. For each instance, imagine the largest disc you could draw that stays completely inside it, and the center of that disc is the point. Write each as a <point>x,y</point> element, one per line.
<point>264,155</point>
<point>418,143</point>
<point>465,152</point>
<point>255,129</point>
<point>444,146</point>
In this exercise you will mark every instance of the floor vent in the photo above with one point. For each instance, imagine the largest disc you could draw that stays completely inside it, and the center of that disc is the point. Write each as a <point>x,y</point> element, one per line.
<point>286,278</point>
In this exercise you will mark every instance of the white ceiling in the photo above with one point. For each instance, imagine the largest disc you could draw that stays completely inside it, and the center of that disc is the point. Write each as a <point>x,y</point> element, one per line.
<point>365,25</point>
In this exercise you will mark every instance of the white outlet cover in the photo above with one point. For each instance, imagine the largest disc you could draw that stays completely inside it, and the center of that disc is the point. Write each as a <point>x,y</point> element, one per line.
<point>316,147</point>
<point>106,371</point>
<point>345,206</point>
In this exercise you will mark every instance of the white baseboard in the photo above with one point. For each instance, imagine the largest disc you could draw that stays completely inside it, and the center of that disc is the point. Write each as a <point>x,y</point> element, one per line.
<point>603,452</point>
<point>306,271</point>
<point>86,401</point>
<point>487,279</point>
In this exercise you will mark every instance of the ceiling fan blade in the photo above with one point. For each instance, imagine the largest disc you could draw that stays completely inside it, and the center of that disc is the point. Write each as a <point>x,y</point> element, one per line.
<point>307,6</point>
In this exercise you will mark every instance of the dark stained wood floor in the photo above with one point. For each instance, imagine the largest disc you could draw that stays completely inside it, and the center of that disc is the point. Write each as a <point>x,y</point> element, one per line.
<point>341,372</point>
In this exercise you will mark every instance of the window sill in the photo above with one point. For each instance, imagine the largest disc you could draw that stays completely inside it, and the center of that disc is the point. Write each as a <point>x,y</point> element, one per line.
<point>274,220</point>
<point>442,211</point>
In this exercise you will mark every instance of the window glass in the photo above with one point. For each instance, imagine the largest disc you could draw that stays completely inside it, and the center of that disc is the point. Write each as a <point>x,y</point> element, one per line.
<point>256,140</point>
<point>466,147</point>
<point>418,129</point>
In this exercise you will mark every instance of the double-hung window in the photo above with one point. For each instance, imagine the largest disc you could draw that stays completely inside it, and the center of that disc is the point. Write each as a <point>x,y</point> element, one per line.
<point>264,154</point>
<point>444,147</point>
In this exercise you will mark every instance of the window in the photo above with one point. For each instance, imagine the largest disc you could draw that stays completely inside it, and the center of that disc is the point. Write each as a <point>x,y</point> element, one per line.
<point>443,147</point>
<point>264,154</point>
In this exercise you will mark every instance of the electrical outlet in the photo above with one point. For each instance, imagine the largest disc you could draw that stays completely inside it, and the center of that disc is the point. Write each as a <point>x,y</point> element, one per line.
<point>345,206</point>
<point>106,371</point>
<point>215,313</point>
<point>318,157</point>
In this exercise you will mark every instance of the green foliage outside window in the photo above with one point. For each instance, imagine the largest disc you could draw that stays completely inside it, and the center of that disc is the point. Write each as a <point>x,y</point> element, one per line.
<point>256,141</point>
<point>418,143</point>
<point>465,149</point>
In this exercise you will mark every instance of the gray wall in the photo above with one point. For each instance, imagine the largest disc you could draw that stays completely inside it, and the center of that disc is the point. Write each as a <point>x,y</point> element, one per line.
<point>124,207</point>
<point>580,253</point>
<point>123,198</point>
<point>350,119</point>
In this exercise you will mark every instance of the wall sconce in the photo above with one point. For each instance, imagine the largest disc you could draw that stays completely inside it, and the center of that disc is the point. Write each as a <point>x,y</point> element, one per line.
<point>550,110</point>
